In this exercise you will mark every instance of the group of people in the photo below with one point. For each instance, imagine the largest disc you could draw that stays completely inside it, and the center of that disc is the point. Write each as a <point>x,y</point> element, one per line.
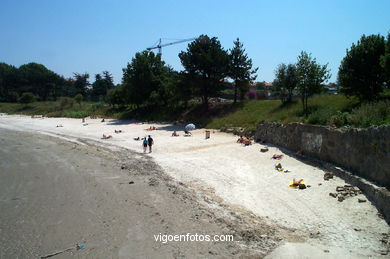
<point>147,141</point>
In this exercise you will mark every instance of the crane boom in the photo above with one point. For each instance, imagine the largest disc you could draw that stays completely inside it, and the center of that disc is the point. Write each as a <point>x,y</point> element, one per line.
<point>159,45</point>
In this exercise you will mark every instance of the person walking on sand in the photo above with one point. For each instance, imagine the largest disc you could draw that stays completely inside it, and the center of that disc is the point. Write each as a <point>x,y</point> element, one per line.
<point>145,143</point>
<point>150,143</point>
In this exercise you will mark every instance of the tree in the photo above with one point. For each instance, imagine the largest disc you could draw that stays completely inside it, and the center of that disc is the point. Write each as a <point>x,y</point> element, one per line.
<point>144,77</point>
<point>8,82</point>
<point>37,79</point>
<point>310,76</point>
<point>240,68</point>
<point>206,64</point>
<point>116,96</point>
<point>27,98</point>
<point>385,61</point>
<point>360,73</point>
<point>285,81</point>
<point>81,83</point>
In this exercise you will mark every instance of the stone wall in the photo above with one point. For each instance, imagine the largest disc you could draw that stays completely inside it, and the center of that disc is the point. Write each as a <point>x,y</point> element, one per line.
<point>365,152</point>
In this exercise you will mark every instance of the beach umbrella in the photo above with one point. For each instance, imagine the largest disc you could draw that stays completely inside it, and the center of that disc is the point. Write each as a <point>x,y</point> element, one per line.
<point>189,127</point>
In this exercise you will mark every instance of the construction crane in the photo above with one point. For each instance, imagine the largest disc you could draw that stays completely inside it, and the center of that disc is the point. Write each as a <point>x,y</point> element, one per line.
<point>159,45</point>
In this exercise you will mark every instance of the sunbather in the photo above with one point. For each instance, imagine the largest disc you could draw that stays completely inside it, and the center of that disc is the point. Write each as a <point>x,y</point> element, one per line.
<point>187,133</point>
<point>106,136</point>
<point>59,126</point>
<point>137,138</point>
<point>275,156</point>
<point>240,139</point>
<point>174,134</point>
<point>297,182</point>
<point>118,131</point>
<point>151,128</point>
<point>247,142</point>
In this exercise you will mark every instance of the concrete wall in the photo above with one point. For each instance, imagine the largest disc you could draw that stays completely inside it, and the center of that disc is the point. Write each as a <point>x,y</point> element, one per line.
<point>365,152</point>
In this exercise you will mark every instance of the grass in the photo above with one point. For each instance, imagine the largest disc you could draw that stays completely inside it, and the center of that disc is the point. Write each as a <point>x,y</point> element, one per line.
<point>335,110</point>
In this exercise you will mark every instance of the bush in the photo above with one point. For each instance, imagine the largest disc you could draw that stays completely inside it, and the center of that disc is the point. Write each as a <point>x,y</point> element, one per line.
<point>339,119</point>
<point>370,114</point>
<point>251,94</point>
<point>78,98</point>
<point>27,98</point>
<point>320,116</point>
<point>66,102</point>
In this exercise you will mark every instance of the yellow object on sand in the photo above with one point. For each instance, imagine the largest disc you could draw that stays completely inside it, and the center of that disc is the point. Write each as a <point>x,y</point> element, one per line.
<point>295,186</point>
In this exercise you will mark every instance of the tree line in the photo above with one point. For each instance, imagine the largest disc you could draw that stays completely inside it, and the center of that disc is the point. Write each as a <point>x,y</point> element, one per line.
<point>364,72</point>
<point>208,69</point>
<point>42,84</point>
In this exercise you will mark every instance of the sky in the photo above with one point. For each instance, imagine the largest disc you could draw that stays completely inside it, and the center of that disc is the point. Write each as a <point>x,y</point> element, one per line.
<point>81,36</point>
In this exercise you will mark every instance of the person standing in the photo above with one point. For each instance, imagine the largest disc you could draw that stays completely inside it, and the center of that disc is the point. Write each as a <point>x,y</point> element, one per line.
<point>145,143</point>
<point>150,143</point>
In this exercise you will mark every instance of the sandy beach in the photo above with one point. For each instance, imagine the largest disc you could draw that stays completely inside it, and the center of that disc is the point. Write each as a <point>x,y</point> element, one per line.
<point>223,178</point>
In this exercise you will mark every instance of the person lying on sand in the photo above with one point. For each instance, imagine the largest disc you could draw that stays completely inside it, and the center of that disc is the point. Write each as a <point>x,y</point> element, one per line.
<point>296,182</point>
<point>59,126</point>
<point>247,142</point>
<point>137,138</point>
<point>106,136</point>
<point>174,134</point>
<point>187,133</point>
<point>240,139</point>
<point>275,156</point>
<point>151,128</point>
<point>118,131</point>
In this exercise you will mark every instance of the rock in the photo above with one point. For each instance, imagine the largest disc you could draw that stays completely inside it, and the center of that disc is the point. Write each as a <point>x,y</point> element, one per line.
<point>340,198</point>
<point>265,149</point>
<point>361,200</point>
<point>334,195</point>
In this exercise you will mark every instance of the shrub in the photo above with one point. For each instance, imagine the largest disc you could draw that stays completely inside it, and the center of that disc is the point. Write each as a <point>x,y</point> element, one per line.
<point>27,98</point>
<point>251,94</point>
<point>320,116</point>
<point>339,119</point>
<point>66,102</point>
<point>370,114</point>
<point>78,98</point>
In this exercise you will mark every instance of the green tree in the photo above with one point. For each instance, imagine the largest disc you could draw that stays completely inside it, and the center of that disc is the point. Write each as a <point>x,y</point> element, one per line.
<point>285,81</point>
<point>311,76</point>
<point>145,78</point>
<point>206,64</point>
<point>8,82</point>
<point>240,68</point>
<point>37,79</point>
<point>360,73</point>
<point>27,98</point>
<point>81,83</point>
<point>78,99</point>
<point>385,61</point>
<point>116,96</point>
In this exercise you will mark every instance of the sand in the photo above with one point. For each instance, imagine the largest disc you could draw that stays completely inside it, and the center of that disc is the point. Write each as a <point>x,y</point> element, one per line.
<point>240,179</point>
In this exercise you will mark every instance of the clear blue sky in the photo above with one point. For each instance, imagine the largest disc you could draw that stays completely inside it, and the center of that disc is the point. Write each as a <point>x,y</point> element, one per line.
<point>92,36</point>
